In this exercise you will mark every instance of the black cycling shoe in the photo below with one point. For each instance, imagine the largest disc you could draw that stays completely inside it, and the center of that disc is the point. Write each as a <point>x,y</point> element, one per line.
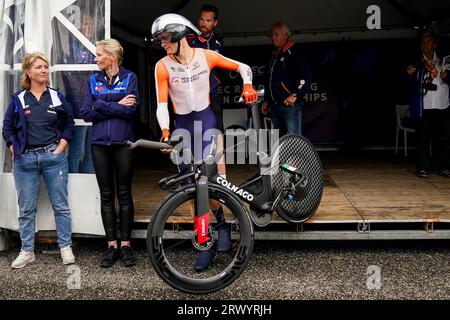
<point>204,260</point>
<point>111,256</point>
<point>127,256</point>
<point>224,237</point>
<point>224,231</point>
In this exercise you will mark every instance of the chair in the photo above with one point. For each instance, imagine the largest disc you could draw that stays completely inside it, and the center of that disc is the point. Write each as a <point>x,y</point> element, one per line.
<point>402,111</point>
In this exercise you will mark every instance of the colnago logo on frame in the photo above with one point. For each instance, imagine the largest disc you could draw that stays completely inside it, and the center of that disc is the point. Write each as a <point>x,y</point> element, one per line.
<point>241,192</point>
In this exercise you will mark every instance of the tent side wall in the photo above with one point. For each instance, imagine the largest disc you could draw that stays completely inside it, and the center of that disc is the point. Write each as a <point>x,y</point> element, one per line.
<point>49,27</point>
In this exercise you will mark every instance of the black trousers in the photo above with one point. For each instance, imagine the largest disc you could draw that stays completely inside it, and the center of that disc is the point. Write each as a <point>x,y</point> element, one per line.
<point>433,130</point>
<point>114,167</point>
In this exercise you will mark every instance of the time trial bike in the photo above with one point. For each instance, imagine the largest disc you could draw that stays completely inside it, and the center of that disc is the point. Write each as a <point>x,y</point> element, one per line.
<point>186,223</point>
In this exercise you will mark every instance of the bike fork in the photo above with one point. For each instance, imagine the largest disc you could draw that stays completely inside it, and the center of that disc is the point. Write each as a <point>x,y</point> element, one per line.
<point>201,218</point>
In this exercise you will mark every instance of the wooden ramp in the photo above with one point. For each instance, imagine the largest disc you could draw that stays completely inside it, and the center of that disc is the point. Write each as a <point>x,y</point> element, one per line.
<point>362,199</point>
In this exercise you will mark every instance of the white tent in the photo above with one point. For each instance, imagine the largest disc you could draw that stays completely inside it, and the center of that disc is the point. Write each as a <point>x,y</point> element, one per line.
<point>44,25</point>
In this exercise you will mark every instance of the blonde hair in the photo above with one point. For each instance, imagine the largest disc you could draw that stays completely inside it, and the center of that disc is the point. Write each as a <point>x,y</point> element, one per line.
<point>27,62</point>
<point>112,46</point>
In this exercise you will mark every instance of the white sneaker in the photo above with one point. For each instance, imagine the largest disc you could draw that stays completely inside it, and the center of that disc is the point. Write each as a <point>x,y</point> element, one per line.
<point>23,259</point>
<point>67,255</point>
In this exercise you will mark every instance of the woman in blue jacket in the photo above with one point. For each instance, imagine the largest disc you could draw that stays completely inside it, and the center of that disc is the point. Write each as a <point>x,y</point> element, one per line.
<point>110,101</point>
<point>37,127</point>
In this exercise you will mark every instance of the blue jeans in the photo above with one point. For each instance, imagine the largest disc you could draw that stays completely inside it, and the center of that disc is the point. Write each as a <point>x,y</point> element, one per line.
<point>287,119</point>
<point>27,174</point>
<point>80,154</point>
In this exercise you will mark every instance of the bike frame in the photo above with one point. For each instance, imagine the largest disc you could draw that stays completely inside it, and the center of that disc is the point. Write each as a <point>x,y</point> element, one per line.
<point>256,191</point>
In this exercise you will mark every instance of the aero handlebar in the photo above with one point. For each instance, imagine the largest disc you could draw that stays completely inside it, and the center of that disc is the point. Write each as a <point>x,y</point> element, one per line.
<point>142,143</point>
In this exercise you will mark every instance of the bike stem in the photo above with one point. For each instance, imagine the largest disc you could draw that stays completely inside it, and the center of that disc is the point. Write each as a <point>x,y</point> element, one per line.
<point>256,117</point>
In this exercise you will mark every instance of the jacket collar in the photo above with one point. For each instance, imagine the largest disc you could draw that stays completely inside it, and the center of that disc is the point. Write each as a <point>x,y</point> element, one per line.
<point>203,39</point>
<point>435,58</point>
<point>286,47</point>
<point>102,74</point>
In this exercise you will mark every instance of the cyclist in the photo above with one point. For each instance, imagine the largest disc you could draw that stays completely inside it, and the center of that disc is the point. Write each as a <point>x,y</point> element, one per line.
<point>184,75</point>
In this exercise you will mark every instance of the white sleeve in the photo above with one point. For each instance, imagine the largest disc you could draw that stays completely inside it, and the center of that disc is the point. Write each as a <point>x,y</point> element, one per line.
<point>162,111</point>
<point>162,114</point>
<point>246,73</point>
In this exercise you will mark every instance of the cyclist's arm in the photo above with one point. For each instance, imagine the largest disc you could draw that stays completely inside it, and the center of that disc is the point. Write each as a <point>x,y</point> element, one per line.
<point>216,60</point>
<point>162,96</point>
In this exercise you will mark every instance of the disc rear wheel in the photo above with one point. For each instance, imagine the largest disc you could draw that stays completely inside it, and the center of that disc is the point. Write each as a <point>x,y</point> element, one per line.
<point>297,151</point>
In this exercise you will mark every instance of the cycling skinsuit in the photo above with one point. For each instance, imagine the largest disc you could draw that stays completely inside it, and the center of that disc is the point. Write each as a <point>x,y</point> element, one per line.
<point>188,87</point>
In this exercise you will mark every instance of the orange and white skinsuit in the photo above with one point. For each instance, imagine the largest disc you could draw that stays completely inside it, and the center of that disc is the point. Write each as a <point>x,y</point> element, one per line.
<point>189,86</point>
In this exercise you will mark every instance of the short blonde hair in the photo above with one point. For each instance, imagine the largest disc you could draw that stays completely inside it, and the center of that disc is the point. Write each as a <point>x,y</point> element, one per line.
<point>112,46</point>
<point>27,63</point>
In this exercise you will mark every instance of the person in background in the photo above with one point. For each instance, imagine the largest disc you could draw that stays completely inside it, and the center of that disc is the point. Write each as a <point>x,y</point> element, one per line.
<point>37,128</point>
<point>208,39</point>
<point>429,107</point>
<point>80,155</point>
<point>288,77</point>
<point>110,101</point>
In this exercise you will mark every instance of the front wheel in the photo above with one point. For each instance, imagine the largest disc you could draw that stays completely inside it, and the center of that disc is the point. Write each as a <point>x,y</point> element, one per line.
<point>173,250</point>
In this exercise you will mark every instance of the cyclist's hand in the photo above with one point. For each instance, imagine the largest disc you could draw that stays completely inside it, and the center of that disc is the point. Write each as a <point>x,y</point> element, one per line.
<point>165,138</point>
<point>249,94</point>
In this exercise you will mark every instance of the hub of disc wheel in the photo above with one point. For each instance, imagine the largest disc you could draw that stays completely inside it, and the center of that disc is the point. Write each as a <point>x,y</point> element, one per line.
<point>212,234</point>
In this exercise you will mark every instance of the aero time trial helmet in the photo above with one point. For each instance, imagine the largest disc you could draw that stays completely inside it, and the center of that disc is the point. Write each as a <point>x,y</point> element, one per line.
<point>174,25</point>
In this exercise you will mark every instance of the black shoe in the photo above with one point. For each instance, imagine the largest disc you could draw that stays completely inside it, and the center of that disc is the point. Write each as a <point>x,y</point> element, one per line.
<point>204,260</point>
<point>127,256</point>
<point>111,256</point>
<point>224,237</point>
<point>224,231</point>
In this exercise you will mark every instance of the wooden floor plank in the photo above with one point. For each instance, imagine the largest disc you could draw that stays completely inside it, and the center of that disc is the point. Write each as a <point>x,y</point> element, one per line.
<point>394,193</point>
<point>355,190</point>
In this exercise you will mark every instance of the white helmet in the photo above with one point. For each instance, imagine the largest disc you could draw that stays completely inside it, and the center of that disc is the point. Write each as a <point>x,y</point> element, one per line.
<point>177,25</point>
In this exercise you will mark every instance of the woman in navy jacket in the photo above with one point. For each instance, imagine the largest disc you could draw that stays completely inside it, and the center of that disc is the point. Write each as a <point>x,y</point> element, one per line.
<point>110,101</point>
<point>37,127</point>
